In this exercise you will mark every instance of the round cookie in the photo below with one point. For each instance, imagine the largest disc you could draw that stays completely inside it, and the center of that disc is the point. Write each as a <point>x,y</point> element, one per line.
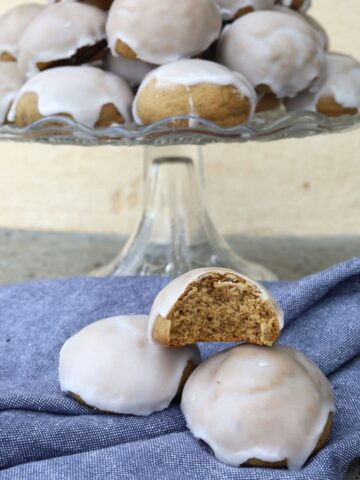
<point>340,92</point>
<point>214,305</point>
<point>103,4</point>
<point>133,71</point>
<point>12,26</point>
<point>162,31</point>
<point>86,94</point>
<point>194,87</point>
<point>231,9</point>
<point>278,52</point>
<point>11,80</point>
<point>300,5</point>
<point>62,34</point>
<point>259,406</point>
<point>109,365</point>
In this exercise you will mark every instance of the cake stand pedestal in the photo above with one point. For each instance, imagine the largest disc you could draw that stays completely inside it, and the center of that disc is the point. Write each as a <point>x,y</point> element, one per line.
<point>175,233</point>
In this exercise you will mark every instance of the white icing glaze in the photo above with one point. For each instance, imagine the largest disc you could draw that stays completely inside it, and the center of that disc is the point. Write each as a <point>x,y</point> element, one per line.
<point>163,31</point>
<point>134,71</point>
<point>190,72</point>
<point>304,7</point>
<point>13,24</point>
<point>166,299</point>
<point>11,80</point>
<point>78,91</point>
<point>111,366</point>
<point>319,29</point>
<point>58,32</point>
<point>249,402</point>
<point>229,8</point>
<point>276,49</point>
<point>342,82</point>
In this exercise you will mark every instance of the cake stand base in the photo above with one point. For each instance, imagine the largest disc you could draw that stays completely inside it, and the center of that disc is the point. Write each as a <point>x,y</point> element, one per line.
<point>175,233</point>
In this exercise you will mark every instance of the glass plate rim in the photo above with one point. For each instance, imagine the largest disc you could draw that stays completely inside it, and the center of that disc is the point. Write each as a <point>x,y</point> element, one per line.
<point>272,126</point>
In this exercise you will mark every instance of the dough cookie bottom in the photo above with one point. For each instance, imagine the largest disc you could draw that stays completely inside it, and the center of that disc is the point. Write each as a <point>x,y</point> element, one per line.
<point>103,4</point>
<point>267,99</point>
<point>86,54</point>
<point>7,57</point>
<point>190,367</point>
<point>329,107</point>
<point>253,462</point>
<point>124,50</point>
<point>27,112</point>
<point>295,4</point>
<point>243,11</point>
<point>221,104</point>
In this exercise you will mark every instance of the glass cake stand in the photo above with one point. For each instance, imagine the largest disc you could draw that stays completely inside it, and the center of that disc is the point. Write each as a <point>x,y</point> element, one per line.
<point>175,233</point>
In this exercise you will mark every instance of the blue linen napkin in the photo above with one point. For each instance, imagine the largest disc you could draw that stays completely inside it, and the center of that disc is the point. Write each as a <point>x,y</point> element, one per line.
<point>46,435</point>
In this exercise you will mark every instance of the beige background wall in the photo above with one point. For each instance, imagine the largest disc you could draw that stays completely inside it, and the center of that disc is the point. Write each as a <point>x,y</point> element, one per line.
<point>308,186</point>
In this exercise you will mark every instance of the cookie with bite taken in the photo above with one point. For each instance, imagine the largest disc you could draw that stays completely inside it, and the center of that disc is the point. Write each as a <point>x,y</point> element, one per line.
<point>214,305</point>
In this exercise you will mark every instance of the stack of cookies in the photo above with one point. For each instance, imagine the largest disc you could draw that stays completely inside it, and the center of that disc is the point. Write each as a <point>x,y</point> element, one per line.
<point>257,403</point>
<point>104,62</point>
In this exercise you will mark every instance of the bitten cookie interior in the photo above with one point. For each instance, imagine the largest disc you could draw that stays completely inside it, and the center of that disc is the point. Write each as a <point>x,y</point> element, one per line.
<point>214,305</point>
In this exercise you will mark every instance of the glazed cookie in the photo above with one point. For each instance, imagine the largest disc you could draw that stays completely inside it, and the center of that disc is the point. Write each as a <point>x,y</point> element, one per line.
<point>231,9</point>
<point>103,4</point>
<point>214,305</point>
<point>163,31</point>
<point>11,80</point>
<point>86,94</point>
<point>340,92</point>
<point>109,365</point>
<point>278,52</point>
<point>12,26</point>
<point>194,87</point>
<point>62,34</point>
<point>260,406</point>
<point>300,5</point>
<point>134,71</point>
